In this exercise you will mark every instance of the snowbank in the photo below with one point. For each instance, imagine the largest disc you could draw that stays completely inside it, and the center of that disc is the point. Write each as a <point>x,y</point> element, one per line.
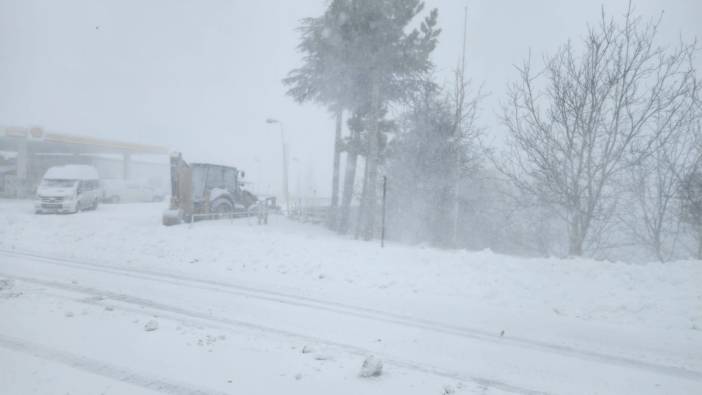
<point>539,298</point>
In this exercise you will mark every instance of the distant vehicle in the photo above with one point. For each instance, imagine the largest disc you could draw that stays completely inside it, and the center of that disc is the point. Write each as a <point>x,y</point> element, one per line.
<point>203,191</point>
<point>68,189</point>
<point>129,191</point>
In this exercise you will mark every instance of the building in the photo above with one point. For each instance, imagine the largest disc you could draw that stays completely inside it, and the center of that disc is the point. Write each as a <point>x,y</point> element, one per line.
<point>26,154</point>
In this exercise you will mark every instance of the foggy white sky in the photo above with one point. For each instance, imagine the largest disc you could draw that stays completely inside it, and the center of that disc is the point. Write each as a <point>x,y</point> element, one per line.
<point>201,76</point>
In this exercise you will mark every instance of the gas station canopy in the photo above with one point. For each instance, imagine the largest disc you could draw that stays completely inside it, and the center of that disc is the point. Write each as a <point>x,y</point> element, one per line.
<point>38,141</point>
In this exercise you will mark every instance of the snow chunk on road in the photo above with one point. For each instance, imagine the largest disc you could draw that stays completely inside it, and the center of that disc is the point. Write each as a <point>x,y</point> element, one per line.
<point>372,367</point>
<point>151,326</point>
<point>6,283</point>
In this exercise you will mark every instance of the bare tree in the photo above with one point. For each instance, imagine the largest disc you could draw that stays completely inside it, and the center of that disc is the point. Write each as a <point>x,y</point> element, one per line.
<point>690,194</point>
<point>586,118</point>
<point>654,217</point>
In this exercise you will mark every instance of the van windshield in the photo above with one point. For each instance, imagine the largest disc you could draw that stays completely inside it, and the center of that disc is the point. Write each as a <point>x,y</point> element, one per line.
<point>58,183</point>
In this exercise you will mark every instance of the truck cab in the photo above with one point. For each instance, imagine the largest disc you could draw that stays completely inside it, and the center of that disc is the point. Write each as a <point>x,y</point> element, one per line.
<point>204,190</point>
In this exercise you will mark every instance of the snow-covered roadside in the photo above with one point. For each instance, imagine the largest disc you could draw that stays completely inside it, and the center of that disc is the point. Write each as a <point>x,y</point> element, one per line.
<point>642,312</point>
<point>308,259</point>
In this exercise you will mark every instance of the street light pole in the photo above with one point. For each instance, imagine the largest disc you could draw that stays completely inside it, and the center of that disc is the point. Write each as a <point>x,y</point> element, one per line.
<point>286,195</point>
<point>459,121</point>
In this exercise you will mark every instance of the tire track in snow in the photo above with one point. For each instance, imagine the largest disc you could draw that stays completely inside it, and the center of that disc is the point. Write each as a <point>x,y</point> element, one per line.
<point>103,369</point>
<point>205,319</point>
<point>363,312</point>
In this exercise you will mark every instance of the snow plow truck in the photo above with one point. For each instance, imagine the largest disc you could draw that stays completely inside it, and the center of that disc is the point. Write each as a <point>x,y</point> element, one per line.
<point>206,191</point>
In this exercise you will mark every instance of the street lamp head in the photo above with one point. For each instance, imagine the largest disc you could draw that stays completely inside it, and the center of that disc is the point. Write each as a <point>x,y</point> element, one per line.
<point>272,120</point>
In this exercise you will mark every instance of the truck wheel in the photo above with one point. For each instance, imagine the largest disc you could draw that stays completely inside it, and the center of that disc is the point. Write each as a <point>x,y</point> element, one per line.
<point>222,206</point>
<point>172,217</point>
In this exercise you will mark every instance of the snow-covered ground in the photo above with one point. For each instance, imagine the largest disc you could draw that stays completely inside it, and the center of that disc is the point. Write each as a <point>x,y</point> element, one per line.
<point>113,302</point>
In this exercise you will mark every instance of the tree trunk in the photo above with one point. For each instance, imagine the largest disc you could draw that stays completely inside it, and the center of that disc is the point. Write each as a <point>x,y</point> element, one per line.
<point>575,248</point>
<point>658,245</point>
<point>370,194</point>
<point>575,239</point>
<point>360,217</point>
<point>334,208</point>
<point>349,181</point>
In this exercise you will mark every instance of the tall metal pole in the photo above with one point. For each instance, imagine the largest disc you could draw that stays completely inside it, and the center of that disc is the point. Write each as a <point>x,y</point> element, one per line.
<point>465,34</point>
<point>459,122</point>
<point>382,228</point>
<point>285,169</point>
<point>286,195</point>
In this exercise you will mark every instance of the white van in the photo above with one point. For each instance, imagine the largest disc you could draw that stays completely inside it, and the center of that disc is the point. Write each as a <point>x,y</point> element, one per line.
<point>68,189</point>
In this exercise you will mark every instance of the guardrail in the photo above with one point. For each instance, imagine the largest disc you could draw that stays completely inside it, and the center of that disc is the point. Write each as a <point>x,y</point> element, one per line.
<point>213,216</point>
<point>310,214</point>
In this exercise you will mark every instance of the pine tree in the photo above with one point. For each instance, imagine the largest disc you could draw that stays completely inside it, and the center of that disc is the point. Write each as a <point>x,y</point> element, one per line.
<point>359,56</point>
<point>424,160</point>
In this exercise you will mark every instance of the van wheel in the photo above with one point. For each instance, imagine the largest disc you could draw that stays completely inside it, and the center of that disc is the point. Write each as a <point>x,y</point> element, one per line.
<point>95,205</point>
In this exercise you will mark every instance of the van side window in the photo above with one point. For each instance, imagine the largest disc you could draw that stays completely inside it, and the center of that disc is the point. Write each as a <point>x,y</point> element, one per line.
<point>86,185</point>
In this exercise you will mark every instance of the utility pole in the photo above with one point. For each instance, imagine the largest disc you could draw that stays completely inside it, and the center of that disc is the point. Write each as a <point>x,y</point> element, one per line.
<point>286,195</point>
<point>459,124</point>
<point>382,228</point>
<point>285,174</point>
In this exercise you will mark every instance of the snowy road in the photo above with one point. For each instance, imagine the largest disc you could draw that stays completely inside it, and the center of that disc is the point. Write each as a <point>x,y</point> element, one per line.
<point>429,348</point>
<point>193,309</point>
<point>78,325</point>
